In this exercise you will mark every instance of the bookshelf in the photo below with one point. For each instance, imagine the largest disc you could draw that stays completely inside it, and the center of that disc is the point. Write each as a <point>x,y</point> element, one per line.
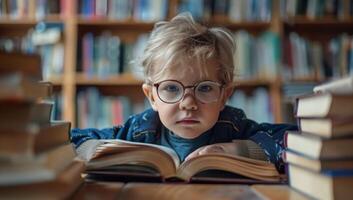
<point>76,25</point>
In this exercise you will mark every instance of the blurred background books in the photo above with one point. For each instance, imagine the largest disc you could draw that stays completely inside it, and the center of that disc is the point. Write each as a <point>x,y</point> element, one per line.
<point>88,47</point>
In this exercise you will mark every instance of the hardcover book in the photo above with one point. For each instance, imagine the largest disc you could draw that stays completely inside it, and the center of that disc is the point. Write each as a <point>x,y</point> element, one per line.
<point>333,127</point>
<point>61,187</point>
<point>19,112</point>
<point>318,148</point>
<point>315,164</point>
<point>29,65</point>
<point>18,86</point>
<point>322,185</point>
<point>42,167</point>
<point>26,141</point>
<point>124,158</point>
<point>324,105</point>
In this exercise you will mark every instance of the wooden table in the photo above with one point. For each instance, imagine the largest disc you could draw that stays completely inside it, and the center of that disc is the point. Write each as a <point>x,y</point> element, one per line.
<point>179,191</point>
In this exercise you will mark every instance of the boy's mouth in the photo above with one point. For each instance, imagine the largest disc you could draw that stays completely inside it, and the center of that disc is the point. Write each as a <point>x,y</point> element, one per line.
<point>188,121</point>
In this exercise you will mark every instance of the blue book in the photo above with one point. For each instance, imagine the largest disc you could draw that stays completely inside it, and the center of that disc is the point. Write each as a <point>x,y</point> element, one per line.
<point>338,172</point>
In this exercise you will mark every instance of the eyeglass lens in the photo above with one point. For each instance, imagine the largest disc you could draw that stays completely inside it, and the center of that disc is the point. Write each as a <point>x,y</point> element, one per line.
<point>172,91</point>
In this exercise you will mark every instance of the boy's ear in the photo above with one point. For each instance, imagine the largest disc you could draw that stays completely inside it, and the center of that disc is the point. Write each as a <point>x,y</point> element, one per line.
<point>148,91</point>
<point>228,92</point>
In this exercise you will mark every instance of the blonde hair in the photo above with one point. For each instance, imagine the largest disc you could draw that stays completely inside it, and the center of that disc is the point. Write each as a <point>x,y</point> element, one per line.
<point>183,40</point>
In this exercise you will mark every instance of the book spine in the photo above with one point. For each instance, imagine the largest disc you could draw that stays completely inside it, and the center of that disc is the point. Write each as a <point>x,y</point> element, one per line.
<point>295,110</point>
<point>298,123</point>
<point>285,139</point>
<point>284,156</point>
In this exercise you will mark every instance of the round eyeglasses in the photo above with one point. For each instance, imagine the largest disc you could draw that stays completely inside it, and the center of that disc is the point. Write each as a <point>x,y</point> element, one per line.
<point>172,91</point>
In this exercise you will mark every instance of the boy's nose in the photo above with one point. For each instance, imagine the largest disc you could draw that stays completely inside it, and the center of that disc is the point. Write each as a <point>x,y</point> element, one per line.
<point>188,102</point>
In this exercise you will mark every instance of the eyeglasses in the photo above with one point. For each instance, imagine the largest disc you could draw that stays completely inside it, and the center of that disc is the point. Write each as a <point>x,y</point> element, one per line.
<point>172,91</point>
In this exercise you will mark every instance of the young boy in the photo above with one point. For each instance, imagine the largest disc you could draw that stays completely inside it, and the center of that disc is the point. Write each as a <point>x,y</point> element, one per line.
<point>189,77</point>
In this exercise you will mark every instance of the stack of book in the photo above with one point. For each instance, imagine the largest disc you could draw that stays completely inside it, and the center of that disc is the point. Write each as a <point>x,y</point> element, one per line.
<point>36,159</point>
<point>320,154</point>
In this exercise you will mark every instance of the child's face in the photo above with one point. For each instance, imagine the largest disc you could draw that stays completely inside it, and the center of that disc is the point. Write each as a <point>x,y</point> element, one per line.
<point>188,117</point>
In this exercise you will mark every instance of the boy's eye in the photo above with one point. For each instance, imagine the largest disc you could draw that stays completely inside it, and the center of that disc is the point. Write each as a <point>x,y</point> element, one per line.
<point>205,88</point>
<point>171,88</point>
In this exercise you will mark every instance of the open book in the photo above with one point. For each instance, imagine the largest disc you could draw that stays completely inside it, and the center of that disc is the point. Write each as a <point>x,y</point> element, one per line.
<point>112,157</point>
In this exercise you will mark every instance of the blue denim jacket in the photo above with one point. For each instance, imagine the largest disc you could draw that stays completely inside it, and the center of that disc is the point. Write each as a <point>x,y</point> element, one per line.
<point>232,124</point>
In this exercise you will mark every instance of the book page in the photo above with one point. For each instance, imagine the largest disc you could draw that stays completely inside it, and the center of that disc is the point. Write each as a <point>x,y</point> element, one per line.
<point>88,149</point>
<point>252,168</point>
<point>128,144</point>
<point>339,86</point>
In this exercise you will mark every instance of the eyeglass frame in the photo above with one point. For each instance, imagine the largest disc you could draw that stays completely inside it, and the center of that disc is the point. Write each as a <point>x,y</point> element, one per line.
<point>221,85</point>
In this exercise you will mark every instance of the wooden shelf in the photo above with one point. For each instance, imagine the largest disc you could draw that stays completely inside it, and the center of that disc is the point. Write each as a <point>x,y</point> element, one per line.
<point>322,20</point>
<point>127,24</point>
<point>130,80</point>
<point>117,80</point>
<point>249,26</point>
<point>128,31</point>
<point>254,82</point>
<point>20,27</point>
<point>56,80</point>
<point>108,21</point>
<point>317,26</point>
<point>303,79</point>
<point>6,21</point>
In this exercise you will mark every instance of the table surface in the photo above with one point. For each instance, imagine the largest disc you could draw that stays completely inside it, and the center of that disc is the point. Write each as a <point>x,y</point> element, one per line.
<point>180,191</point>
